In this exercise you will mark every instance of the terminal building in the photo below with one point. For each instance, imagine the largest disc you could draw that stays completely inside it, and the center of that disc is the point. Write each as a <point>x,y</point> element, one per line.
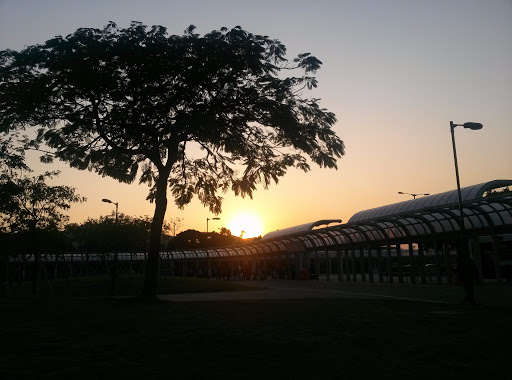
<point>414,240</point>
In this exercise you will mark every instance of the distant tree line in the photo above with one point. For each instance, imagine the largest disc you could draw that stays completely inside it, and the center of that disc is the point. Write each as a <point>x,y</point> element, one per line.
<point>192,239</point>
<point>105,234</point>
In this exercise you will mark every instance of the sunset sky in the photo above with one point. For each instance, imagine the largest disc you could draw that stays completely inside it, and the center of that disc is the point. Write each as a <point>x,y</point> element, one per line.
<point>395,72</point>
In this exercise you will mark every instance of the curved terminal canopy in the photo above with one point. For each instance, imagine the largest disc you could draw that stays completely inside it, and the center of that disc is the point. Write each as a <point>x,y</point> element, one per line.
<point>299,229</point>
<point>442,199</point>
<point>435,217</point>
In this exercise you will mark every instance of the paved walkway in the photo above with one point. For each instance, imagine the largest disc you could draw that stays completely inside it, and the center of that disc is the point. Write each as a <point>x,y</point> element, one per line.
<point>488,294</point>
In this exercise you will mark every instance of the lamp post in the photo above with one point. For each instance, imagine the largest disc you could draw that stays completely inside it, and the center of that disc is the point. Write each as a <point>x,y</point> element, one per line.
<point>464,262</point>
<point>207,219</point>
<point>109,201</point>
<point>413,195</point>
<point>114,265</point>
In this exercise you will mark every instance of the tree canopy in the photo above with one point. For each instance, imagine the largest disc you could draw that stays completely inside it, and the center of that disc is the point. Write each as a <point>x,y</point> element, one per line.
<point>192,239</point>
<point>30,203</point>
<point>12,162</point>
<point>196,115</point>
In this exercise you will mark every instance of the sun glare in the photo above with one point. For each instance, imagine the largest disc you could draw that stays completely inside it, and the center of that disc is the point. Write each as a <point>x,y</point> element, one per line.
<point>248,224</point>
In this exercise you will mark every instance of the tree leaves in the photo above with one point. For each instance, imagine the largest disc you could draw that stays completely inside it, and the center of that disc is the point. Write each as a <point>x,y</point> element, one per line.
<point>12,153</point>
<point>28,203</point>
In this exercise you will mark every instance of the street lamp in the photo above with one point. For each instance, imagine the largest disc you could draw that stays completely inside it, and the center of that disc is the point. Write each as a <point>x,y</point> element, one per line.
<point>207,219</point>
<point>114,266</point>
<point>413,195</point>
<point>464,261</point>
<point>109,201</point>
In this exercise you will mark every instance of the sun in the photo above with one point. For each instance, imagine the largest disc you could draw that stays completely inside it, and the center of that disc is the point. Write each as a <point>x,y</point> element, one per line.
<point>246,225</point>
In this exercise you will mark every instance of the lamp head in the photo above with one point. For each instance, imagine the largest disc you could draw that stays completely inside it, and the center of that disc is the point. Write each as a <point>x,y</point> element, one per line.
<point>106,200</point>
<point>473,126</point>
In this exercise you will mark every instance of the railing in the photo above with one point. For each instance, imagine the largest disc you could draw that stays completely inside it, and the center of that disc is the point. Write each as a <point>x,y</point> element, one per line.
<point>355,266</point>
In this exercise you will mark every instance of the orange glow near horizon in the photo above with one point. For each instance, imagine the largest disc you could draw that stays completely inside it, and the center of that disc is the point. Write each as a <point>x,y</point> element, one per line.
<point>248,223</point>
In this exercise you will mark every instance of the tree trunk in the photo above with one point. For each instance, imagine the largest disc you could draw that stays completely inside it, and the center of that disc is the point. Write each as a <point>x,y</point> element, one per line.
<point>152,262</point>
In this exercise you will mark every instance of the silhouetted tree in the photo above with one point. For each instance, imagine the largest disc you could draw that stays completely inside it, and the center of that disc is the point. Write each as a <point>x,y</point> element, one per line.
<point>193,114</point>
<point>34,205</point>
<point>12,158</point>
<point>191,239</point>
<point>225,231</point>
<point>175,224</point>
<point>12,153</point>
<point>12,164</point>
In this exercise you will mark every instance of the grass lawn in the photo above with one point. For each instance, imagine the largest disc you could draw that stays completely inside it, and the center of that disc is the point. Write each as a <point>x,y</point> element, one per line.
<point>98,286</point>
<point>104,338</point>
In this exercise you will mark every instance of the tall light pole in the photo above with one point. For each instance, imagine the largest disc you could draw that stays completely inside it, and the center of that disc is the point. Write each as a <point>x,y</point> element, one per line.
<point>207,219</point>
<point>114,266</point>
<point>109,201</point>
<point>413,195</point>
<point>464,261</point>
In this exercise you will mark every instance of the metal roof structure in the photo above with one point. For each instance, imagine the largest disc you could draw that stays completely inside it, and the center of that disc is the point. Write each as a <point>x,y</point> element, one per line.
<point>436,200</point>
<point>429,218</point>
<point>482,215</point>
<point>300,228</point>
